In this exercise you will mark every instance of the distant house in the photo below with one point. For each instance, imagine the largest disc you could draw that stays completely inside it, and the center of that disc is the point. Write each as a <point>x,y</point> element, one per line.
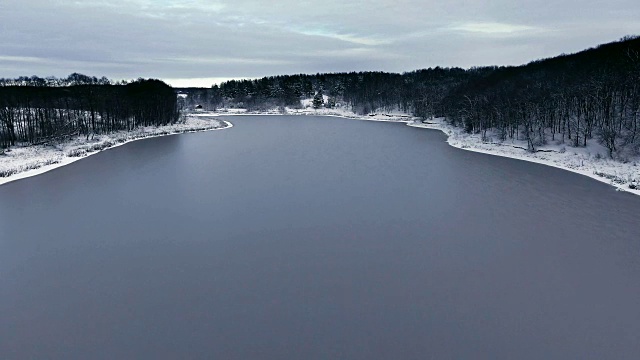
<point>198,107</point>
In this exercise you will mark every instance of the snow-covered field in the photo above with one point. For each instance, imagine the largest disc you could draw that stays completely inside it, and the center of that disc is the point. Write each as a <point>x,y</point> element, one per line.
<point>25,161</point>
<point>591,161</point>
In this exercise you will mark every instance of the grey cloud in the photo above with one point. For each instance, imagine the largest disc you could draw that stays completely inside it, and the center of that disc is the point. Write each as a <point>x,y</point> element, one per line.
<point>247,38</point>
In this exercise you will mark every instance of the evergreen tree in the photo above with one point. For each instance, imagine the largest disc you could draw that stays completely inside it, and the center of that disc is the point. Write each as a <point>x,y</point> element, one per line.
<point>318,100</point>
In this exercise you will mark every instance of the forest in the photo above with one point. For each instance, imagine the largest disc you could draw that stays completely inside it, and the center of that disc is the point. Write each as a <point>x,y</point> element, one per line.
<point>570,98</point>
<point>36,110</point>
<point>593,94</point>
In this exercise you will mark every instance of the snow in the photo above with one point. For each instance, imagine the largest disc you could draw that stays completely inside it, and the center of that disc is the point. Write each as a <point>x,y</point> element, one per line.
<point>206,113</point>
<point>308,103</point>
<point>20,162</point>
<point>343,111</point>
<point>591,161</point>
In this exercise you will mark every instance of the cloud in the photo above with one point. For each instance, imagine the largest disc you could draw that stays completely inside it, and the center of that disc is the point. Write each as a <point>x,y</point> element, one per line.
<point>200,39</point>
<point>20,59</point>
<point>197,82</point>
<point>145,7</point>
<point>221,60</point>
<point>491,28</point>
<point>351,38</point>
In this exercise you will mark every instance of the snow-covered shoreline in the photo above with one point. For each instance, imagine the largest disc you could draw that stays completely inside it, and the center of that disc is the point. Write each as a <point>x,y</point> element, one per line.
<point>591,161</point>
<point>26,161</point>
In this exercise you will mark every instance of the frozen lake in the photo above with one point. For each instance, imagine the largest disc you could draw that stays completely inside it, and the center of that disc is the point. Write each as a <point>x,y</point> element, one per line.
<point>316,238</point>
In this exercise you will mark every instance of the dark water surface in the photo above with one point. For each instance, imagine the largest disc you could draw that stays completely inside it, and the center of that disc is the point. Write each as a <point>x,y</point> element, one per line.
<point>316,238</point>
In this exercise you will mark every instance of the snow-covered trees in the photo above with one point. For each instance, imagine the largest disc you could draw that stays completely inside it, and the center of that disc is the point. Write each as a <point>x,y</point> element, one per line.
<point>35,111</point>
<point>318,100</point>
<point>594,94</point>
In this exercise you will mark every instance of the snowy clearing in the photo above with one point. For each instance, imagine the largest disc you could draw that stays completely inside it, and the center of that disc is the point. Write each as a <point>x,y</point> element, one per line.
<point>20,162</point>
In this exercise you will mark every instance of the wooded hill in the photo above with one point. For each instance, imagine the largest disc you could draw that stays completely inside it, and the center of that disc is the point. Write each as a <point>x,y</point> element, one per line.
<point>35,110</point>
<point>573,98</point>
<point>593,94</point>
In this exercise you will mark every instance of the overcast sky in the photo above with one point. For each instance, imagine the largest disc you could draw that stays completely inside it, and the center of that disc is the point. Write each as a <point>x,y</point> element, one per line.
<point>198,42</point>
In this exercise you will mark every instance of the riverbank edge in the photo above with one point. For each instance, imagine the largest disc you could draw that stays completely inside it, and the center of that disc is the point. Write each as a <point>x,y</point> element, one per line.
<point>157,132</point>
<point>434,124</point>
<point>525,156</point>
<point>468,144</point>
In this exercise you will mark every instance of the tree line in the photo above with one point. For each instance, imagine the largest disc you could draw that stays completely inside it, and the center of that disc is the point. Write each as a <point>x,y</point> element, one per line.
<point>593,94</point>
<point>35,110</point>
<point>362,92</point>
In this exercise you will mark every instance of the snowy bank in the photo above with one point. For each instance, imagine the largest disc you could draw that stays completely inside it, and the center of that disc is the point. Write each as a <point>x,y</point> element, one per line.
<point>343,112</point>
<point>20,162</point>
<point>591,161</point>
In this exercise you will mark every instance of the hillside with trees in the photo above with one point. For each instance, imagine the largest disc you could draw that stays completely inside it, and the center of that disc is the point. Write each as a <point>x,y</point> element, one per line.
<point>593,94</point>
<point>35,110</point>
<point>569,98</point>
